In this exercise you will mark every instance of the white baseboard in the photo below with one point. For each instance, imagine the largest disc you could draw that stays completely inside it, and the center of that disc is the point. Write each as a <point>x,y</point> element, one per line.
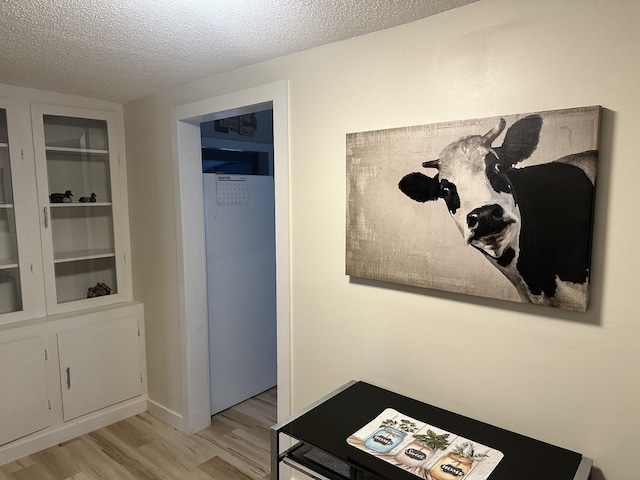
<point>166,415</point>
<point>61,433</point>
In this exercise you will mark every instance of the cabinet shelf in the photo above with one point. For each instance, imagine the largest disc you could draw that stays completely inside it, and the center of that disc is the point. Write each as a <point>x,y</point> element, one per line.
<point>7,206</point>
<point>8,263</point>
<point>78,256</point>
<point>80,204</point>
<point>4,145</point>
<point>76,151</point>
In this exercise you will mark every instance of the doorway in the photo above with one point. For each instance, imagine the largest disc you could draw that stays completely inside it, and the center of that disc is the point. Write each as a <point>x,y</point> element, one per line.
<point>190,238</point>
<point>239,209</point>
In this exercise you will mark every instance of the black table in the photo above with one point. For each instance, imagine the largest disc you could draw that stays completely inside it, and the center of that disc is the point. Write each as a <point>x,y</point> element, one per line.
<point>322,451</point>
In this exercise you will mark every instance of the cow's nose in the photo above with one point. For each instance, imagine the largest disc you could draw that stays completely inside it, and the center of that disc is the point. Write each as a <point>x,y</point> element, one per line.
<point>486,220</point>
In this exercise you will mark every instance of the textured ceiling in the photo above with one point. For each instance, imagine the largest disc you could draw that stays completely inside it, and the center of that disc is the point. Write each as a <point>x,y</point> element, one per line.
<point>120,50</point>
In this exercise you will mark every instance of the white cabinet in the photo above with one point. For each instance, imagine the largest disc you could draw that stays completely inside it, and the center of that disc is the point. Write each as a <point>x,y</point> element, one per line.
<point>98,366</point>
<point>66,375</point>
<point>72,355</point>
<point>24,399</point>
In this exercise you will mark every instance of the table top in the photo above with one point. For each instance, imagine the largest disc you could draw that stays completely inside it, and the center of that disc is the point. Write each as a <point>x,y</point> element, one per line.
<point>330,422</point>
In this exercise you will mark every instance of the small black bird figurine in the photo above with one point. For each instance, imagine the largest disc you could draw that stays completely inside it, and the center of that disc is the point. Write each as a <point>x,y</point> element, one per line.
<point>61,197</point>
<point>91,199</point>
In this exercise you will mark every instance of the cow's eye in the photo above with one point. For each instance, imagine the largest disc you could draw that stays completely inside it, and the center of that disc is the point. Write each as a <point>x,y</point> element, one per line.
<point>449,193</point>
<point>447,189</point>
<point>497,167</point>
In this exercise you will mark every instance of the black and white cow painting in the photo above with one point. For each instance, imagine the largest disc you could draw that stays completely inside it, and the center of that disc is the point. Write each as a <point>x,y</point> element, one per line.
<point>530,216</point>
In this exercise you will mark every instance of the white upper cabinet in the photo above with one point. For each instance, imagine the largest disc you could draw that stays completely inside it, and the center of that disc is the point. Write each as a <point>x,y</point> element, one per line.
<point>14,258</point>
<point>59,252</point>
<point>81,209</point>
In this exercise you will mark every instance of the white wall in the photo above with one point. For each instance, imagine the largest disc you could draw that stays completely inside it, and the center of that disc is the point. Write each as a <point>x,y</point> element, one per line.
<point>564,377</point>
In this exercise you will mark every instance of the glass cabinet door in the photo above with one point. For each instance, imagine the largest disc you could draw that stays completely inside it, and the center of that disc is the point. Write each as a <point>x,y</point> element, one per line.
<point>80,209</point>
<point>11,297</point>
<point>10,291</point>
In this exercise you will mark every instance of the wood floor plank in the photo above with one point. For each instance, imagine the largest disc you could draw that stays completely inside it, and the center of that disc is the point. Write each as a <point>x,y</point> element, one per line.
<point>258,410</point>
<point>218,469</point>
<point>188,446</point>
<point>82,476</point>
<point>258,437</point>
<point>55,461</point>
<point>270,395</point>
<point>94,463</point>
<point>130,433</point>
<point>34,471</point>
<point>234,417</point>
<point>171,463</point>
<point>237,454</point>
<point>16,465</point>
<point>221,426</point>
<point>260,413</point>
<point>127,459</point>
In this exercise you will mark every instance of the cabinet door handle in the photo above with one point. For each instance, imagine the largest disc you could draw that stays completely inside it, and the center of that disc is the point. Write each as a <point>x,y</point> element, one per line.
<point>68,378</point>
<point>46,217</point>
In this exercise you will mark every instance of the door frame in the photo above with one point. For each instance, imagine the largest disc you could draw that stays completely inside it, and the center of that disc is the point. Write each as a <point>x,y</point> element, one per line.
<point>191,248</point>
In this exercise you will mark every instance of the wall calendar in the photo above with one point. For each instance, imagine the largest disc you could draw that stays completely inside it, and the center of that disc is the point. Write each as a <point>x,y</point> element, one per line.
<point>232,189</point>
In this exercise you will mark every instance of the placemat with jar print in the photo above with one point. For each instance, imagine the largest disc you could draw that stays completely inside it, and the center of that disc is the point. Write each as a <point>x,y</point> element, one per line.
<point>425,450</point>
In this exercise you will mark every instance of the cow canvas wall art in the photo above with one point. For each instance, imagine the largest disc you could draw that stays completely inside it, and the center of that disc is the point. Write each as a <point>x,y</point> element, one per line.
<point>496,207</point>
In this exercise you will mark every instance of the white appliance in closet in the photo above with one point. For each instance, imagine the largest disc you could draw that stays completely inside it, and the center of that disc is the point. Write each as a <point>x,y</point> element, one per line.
<point>240,239</point>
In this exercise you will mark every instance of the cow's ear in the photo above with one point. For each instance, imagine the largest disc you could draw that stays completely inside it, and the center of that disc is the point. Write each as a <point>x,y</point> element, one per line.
<point>420,187</point>
<point>520,141</point>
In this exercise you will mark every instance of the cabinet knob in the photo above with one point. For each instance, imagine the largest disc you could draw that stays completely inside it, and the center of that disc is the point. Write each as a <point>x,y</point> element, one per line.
<point>46,217</point>
<point>68,378</point>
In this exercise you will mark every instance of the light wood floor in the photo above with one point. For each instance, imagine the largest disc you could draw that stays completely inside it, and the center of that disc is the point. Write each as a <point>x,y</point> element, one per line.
<point>234,447</point>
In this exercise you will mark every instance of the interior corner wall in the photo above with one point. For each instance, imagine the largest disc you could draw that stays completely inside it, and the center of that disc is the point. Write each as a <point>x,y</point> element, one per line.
<point>567,378</point>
